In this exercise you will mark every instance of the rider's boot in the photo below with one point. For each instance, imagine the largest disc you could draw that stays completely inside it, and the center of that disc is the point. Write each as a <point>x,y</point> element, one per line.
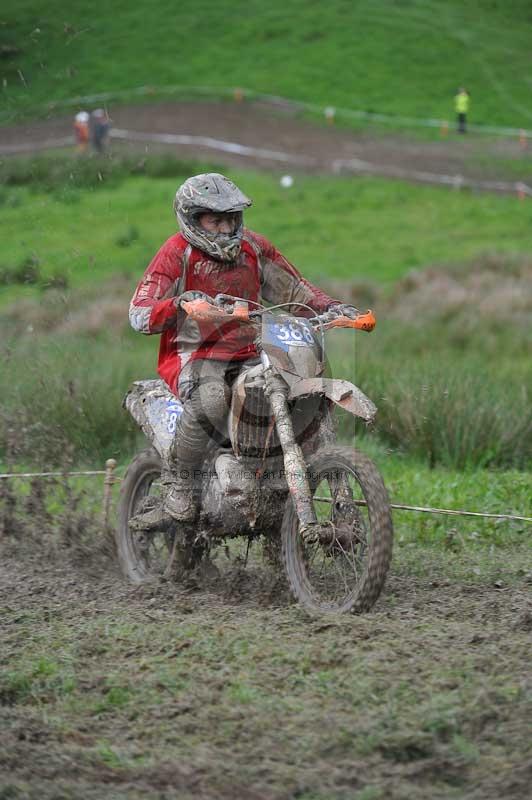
<point>176,504</point>
<point>155,518</point>
<point>179,502</point>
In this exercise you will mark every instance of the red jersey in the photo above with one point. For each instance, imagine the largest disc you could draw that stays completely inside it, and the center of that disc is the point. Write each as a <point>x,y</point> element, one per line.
<point>259,273</point>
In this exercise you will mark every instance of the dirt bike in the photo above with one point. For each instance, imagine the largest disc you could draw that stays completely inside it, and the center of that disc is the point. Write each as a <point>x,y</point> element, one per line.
<point>276,471</point>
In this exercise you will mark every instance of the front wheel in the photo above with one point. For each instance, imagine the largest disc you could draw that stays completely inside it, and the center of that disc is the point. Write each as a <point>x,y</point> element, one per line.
<point>343,566</point>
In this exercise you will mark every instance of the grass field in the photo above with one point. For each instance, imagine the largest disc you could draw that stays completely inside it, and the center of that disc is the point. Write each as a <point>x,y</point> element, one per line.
<point>350,56</point>
<point>82,228</point>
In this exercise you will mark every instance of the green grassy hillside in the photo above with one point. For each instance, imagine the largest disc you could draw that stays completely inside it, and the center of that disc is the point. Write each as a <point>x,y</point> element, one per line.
<point>82,228</point>
<point>392,56</point>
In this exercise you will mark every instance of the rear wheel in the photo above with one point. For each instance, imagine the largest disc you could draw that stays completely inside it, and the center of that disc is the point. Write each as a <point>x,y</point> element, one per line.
<point>343,566</point>
<point>145,555</point>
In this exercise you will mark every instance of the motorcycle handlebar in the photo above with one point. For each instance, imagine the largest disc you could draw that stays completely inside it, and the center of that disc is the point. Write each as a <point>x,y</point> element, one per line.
<point>363,322</point>
<point>225,308</point>
<point>205,309</point>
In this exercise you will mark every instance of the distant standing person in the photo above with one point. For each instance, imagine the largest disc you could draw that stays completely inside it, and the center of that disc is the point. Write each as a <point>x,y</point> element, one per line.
<point>461,106</point>
<point>81,131</point>
<point>99,129</point>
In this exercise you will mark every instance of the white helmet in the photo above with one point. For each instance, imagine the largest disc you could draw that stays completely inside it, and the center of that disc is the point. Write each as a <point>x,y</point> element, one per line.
<point>211,192</point>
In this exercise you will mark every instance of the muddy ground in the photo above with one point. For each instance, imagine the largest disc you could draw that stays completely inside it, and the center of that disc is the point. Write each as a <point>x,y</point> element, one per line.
<point>228,690</point>
<point>260,125</point>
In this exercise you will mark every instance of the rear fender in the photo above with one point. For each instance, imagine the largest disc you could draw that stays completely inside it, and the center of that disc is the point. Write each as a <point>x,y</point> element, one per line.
<point>156,411</point>
<point>343,393</point>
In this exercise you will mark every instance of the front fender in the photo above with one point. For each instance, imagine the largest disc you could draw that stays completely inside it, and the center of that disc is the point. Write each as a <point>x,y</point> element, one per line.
<point>344,394</point>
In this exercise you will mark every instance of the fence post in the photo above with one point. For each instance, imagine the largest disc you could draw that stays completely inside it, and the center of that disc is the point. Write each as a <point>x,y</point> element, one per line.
<point>109,480</point>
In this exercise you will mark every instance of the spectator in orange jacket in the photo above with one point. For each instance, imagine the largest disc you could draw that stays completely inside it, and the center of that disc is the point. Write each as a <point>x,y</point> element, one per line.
<point>81,131</point>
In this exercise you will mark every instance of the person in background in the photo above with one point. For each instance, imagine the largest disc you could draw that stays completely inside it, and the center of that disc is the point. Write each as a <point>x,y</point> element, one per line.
<point>99,129</point>
<point>461,106</point>
<point>81,131</point>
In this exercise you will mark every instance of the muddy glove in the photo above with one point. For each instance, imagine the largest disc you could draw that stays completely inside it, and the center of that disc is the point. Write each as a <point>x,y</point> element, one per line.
<point>344,310</point>
<point>191,295</point>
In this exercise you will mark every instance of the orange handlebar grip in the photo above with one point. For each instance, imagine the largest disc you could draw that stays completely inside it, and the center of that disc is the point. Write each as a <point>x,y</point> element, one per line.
<point>364,322</point>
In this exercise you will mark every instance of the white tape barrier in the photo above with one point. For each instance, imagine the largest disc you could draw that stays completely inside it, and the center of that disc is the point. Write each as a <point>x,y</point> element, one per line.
<point>111,478</point>
<point>455,181</point>
<point>6,475</point>
<point>337,166</point>
<point>213,144</point>
<point>239,93</point>
<point>170,138</point>
<point>459,513</point>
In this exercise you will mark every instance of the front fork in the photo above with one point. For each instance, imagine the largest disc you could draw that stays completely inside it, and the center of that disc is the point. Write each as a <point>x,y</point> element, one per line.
<point>294,460</point>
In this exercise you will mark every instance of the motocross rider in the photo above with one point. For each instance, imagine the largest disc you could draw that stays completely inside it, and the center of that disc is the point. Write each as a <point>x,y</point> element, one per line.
<point>213,253</point>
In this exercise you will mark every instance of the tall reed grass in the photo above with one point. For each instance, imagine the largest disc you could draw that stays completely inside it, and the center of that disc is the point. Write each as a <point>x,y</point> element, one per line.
<point>63,392</point>
<point>447,404</point>
<point>62,398</point>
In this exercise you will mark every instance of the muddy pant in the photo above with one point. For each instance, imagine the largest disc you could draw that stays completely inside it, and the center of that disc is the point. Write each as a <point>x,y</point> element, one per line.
<point>204,388</point>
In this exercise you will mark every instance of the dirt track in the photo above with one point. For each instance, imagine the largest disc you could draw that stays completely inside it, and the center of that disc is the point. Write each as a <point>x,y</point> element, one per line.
<point>269,127</point>
<point>107,691</point>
